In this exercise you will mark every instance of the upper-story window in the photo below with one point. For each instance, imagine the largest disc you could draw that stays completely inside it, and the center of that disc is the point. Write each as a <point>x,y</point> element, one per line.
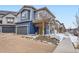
<point>10,19</point>
<point>25,15</point>
<point>34,15</point>
<point>0,21</point>
<point>42,14</point>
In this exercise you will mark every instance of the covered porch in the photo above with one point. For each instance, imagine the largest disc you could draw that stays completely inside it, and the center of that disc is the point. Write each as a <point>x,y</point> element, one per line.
<point>43,26</point>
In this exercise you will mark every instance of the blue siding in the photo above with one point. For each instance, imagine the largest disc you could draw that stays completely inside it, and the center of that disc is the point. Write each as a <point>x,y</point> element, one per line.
<point>36,29</point>
<point>32,28</point>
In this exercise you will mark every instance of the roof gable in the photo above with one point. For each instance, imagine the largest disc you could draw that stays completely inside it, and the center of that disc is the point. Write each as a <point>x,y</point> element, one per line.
<point>4,13</point>
<point>9,15</point>
<point>45,8</point>
<point>26,6</point>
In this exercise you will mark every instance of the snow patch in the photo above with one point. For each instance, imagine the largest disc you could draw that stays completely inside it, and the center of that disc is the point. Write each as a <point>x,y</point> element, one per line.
<point>60,36</point>
<point>73,38</point>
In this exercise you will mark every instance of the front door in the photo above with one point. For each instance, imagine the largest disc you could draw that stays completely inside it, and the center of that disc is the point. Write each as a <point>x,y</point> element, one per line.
<point>41,28</point>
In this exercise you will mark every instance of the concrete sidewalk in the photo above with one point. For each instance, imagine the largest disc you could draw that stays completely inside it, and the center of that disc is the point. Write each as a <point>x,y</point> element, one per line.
<point>65,46</point>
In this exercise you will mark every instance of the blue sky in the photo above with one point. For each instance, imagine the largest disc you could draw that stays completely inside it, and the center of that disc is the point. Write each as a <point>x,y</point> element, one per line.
<point>64,13</point>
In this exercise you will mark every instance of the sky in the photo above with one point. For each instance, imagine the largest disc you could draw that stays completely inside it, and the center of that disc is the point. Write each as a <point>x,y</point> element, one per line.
<point>64,13</point>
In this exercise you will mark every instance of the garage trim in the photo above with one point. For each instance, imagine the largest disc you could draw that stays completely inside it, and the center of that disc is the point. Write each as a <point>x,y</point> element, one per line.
<point>23,26</point>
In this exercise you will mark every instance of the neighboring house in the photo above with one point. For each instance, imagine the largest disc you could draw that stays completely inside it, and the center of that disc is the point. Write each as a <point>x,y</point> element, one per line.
<point>7,21</point>
<point>74,31</point>
<point>30,20</point>
<point>60,27</point>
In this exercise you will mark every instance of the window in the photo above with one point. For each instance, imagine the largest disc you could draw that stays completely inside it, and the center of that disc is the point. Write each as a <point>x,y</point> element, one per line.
<point>34,14</point>
<point>25,15</point>
<point>52,31</point>
<point>0,21</point>
<point>10,19</point>
<point>47,29</point>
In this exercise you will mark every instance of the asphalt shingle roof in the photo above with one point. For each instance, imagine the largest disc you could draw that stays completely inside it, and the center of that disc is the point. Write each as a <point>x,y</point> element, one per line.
<point>3,13</point>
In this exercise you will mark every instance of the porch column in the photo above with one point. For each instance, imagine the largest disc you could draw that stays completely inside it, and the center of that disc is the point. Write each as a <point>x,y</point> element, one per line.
<point>49,27</point>
<point>43,28</point>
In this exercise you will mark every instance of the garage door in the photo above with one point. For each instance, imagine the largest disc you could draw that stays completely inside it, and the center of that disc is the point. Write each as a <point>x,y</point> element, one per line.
<point>22,30</point>
<point>8,29</point>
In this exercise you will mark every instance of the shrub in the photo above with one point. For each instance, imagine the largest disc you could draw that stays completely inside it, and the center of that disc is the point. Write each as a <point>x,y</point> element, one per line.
<point>47,38</point>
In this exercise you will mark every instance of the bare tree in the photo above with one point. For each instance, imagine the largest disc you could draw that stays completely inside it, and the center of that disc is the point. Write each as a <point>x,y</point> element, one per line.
<point>77,20</point>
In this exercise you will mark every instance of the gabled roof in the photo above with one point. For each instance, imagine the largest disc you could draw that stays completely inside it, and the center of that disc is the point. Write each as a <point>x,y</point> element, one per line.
<point>4,13</point>
<point>29,6</point>
<point>45,8</point>
<point>58,22</point>
<point>26,6</point>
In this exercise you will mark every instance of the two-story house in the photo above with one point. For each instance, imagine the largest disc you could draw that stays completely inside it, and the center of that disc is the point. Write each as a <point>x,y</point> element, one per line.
<point>59,27</point>
<point>7,21</point>
<point>28,20</point>
<point>34,21</point>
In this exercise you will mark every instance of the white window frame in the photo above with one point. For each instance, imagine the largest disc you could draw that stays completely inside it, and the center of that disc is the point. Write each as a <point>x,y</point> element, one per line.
<point>25,15</point>
<point>10,19</point>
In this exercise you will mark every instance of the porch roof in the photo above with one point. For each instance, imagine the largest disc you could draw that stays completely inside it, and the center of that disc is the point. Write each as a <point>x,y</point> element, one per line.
<point>41,20</point>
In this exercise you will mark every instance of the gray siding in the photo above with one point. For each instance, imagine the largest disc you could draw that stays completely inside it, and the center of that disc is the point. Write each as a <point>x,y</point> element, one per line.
<point>4,20</point>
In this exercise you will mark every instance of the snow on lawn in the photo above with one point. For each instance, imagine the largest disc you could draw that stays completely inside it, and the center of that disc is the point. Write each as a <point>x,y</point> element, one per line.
<point>61,36</point>
<point>74,39</point>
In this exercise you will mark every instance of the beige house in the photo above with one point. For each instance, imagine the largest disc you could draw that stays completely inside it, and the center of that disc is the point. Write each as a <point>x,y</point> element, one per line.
<point>59,27</point>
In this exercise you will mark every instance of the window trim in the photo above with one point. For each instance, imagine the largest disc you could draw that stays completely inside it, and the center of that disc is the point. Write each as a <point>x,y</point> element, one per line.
<point>26,18</point>
<point>0,21</point>
<point>9,19</point>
